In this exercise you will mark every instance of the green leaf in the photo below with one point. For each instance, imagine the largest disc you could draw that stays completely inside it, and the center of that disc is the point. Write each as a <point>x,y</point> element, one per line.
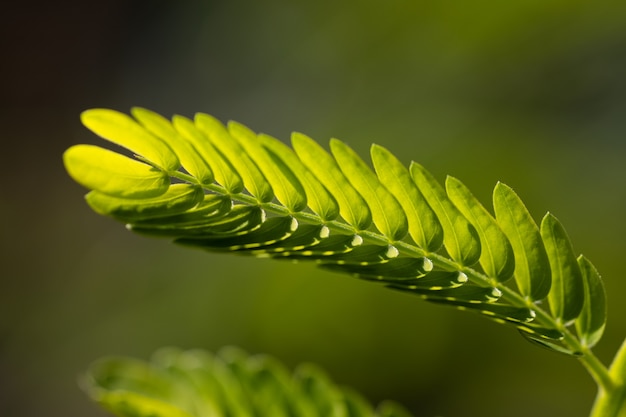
<point>567,294</point>
<point>213,206</point>
<point>424,228</point>
<point>496,258</point>
<point>320,201</point>
<point>331,246</point>
<point>114,174</point>
<point>222,216</point>
<point>239,221</point>
<point>265,383</point>
<point>223,171</point>
<point>253,179</point>
<point>387,213</point>
<point>391,409</point>
<point>532,268</point>
<point>177,199</point>
<point>130,404</point>
<point>314,384</point>
<point>356,405</point>
<point>286,186</point>
<point>549,344</point>
<point>463,295</point>
<point>363,255</point>
<point>160,127</point>
<point>540,332</point>
<point>401,268</point>
<point>352,207</point>
<point>395,269</point>
<point>232,383</point>
<point>305,236</point>
<point>435,280</point>
<point>122,130</point>
<point>501,313</point>
<point>272,231</point>
<point>131,388</point>
<point>592,320</point>
<point>460,237</point>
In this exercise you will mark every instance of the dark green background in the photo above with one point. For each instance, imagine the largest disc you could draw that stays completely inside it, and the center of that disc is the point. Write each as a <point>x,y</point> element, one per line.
<point>532,93</point>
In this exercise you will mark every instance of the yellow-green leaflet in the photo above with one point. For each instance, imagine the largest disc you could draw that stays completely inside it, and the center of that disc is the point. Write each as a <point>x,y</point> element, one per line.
<point>320,201</point>
<point>160,127</point>
<point>424,228</point>
<point>567,293</point>
<point>352,207</point>
<point>460,237</point>
<point>126,403</point>
<point>114,174</point>
<point>223,171</point>
<point>253,179</point>
<point>497,257</point>
<point>122,130</point>
<point>532,269</point>
<point>285,185</point>
<point>387,213</point>
<point>592,320</point>
<point>177,199</point>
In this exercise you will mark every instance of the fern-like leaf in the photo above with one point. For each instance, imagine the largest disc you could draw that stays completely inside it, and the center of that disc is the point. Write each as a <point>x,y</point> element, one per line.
<point>196,383</point>
<point>227,189</point>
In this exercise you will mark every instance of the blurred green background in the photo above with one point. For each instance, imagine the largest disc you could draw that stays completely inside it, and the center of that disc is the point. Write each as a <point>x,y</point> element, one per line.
<point>528,92</point>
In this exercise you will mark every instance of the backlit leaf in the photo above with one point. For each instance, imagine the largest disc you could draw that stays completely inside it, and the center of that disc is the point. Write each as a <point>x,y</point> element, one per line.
<point>160,127</point>
<point>387,213</point>
<point>590,324</point>
<point>286,186</point>
<point>320,201</point>
<point>462,295</point>
<point>532,268</point>
<point>177,199</point>
<point>497,257</point>
<point>223,171</point>
<point>460,237</point>
<point>122,130</point>
<point>114,174</point>
<point>253,179</point>
<point>424,227</point>
<point>567,294</point>
<point>352,207</point>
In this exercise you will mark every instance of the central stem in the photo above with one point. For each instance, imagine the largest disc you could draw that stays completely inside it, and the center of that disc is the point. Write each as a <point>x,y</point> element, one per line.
<point>611,399</point>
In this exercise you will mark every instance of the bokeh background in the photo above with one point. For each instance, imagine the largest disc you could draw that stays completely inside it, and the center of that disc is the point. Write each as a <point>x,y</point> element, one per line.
<point>532,93</point>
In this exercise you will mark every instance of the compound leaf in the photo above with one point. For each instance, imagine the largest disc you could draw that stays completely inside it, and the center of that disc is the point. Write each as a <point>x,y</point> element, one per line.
<point>193,383</point>
<point>323,212</point>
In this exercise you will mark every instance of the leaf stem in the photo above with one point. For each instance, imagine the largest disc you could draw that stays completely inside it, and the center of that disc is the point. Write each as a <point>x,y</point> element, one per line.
<point>611,400</point>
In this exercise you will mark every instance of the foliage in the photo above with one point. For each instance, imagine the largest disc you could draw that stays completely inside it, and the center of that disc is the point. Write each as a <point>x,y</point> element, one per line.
<point>196,383</point>
<point>228,189</point>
